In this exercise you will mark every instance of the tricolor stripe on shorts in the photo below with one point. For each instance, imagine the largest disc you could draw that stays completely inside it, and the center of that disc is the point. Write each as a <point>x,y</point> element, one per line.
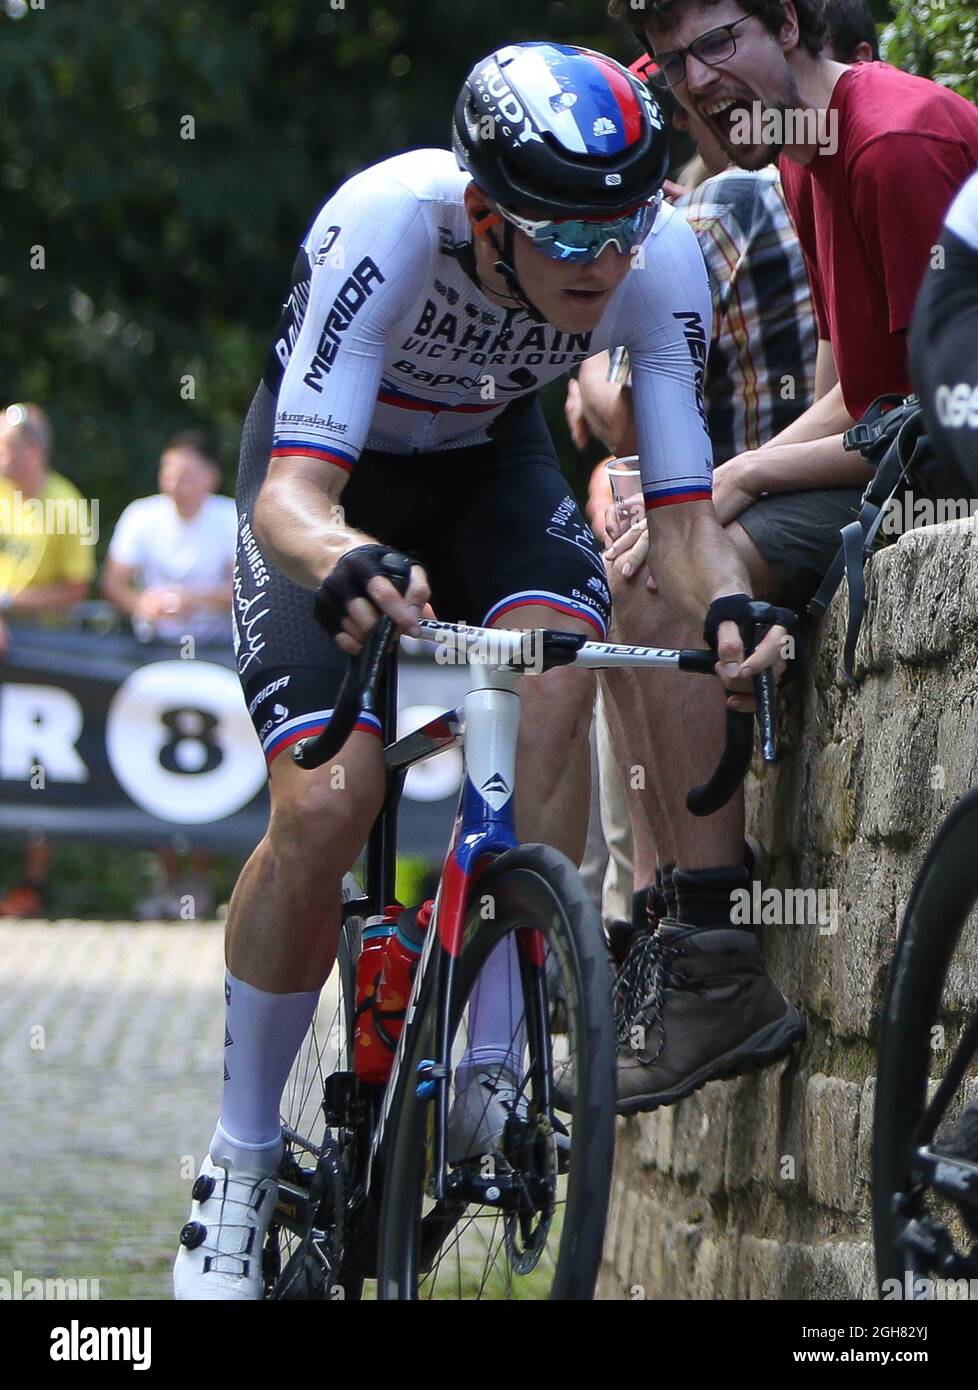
<point>540,596</point>
<point>307,726</point>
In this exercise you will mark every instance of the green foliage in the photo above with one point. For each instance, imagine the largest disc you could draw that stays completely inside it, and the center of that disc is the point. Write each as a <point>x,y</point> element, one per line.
<point>938,39</point>
<point>167,257</point>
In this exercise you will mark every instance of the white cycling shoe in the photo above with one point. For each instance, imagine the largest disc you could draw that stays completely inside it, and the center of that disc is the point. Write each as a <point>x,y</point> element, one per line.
<point>483,1103</point>
<point>221,1245</point>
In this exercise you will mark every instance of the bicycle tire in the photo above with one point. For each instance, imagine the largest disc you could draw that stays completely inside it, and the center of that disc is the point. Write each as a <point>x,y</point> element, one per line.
<point>537,887</point>
<point>943,895</point>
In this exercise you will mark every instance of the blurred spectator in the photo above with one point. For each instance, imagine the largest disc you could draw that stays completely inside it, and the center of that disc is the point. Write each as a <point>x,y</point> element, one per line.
<point>47,562</point>
<point>852,32</point>
<point>169,567</point>
<point>607,865</point>
<point>171,556</point>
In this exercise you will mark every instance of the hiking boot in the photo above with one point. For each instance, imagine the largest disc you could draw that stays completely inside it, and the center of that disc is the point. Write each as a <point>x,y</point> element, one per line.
<point>694,1005</point>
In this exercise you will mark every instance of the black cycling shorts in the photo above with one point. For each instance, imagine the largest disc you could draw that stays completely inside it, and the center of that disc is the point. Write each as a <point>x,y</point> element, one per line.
<point>493,525</point>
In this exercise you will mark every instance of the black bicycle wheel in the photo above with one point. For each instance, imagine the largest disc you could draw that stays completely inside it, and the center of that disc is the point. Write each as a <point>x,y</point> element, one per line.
<point>544,1239</point>
<point>304,1246</point>
<point>916,1227</point>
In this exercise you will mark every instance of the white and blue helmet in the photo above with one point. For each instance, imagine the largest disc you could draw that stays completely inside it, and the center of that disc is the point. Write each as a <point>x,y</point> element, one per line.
<point>560,131</point>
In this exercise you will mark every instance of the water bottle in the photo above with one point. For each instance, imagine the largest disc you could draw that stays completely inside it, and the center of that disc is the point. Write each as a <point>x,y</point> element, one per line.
<point>371,1060</point>
<point>388,1002</point>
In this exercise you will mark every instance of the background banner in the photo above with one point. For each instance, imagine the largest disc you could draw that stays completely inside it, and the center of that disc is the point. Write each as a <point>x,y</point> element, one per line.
<point>103,737</point>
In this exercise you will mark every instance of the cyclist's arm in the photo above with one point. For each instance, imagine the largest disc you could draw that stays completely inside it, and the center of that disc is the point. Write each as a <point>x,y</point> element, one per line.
<point>373,242</point>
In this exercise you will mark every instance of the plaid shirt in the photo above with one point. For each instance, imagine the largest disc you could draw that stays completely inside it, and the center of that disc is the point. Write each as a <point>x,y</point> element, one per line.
<point>760,372</point>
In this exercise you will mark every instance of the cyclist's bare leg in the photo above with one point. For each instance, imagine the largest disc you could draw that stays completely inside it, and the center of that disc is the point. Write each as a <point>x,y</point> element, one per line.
<point>283,920</point>
<point>553,784</point>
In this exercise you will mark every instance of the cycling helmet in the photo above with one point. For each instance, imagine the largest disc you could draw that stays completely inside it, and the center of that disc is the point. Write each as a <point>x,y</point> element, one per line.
<point>558,131</point>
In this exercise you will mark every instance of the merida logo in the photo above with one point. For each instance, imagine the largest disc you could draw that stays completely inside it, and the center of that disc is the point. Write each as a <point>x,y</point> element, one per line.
<point>696,342</point>
<point>78,1343</point>
<point>496,783</point>
<point>349,301</point>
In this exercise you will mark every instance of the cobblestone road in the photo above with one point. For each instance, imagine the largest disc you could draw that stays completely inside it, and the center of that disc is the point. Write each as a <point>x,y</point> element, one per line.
<point>111,1040</point>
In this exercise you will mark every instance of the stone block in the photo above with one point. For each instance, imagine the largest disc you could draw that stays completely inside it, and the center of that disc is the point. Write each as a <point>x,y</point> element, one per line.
<point>832,1111</point>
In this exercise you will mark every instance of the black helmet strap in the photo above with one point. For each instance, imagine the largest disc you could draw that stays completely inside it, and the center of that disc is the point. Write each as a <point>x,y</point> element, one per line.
<point>504,266</point>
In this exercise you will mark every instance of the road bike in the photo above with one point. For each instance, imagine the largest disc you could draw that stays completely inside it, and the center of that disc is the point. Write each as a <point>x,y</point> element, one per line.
<point>368,1188</point>
<point>925,1153</point>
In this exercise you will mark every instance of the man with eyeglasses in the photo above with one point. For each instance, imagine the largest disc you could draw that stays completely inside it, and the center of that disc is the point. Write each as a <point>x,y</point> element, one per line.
<point>431,298</point>
<point>870,157</point>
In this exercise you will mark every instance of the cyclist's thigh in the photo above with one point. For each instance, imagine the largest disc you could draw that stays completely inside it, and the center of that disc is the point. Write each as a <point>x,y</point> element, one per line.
<point>289,668</point>
<point>521,542</point>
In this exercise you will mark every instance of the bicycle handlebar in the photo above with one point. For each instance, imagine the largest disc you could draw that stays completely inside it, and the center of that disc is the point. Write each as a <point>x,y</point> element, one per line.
<point>360,684</point>
<point>359,689</point>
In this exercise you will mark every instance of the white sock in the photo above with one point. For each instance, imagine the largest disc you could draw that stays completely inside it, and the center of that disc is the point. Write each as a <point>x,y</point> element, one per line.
<point>262,1037</point>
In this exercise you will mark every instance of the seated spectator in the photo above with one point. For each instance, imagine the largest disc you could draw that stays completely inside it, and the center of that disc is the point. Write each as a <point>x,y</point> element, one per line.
<point>46,567</point>
<point>171,556</point>
<point>169,567</point>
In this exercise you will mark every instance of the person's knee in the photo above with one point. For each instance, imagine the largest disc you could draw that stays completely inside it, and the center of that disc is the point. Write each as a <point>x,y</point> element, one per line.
<point>558,704</point>
<point>641,615</point>
<point>320,819</point>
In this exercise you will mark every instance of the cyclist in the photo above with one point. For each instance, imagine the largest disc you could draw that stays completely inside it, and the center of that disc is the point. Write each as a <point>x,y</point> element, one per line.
<point>943,358</point>
<point>428,304</point>
<point>944,370</point>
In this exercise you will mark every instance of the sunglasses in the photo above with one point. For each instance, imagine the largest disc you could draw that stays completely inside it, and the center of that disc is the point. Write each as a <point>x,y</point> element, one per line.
<point>580,239</point>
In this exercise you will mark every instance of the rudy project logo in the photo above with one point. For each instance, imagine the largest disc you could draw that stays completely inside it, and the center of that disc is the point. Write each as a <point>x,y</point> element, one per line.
<point>502,105</point>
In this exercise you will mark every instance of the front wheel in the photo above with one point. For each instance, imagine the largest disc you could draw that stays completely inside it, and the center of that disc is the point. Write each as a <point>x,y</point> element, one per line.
<point>523,1214</point>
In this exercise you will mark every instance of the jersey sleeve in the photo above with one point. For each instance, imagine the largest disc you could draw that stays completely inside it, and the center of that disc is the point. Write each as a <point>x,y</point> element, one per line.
<point>367,248</point>
<point>666,328</point>
<point>901,188</point>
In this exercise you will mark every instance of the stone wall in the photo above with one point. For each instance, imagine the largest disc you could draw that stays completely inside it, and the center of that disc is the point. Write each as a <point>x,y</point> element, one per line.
<point>759,1187</point>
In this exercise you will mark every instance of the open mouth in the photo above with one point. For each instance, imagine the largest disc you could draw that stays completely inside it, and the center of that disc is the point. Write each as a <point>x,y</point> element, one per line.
<point>723,113</point>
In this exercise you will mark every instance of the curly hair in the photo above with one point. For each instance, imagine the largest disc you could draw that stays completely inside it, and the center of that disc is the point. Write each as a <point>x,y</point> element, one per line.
<point>812,32</point>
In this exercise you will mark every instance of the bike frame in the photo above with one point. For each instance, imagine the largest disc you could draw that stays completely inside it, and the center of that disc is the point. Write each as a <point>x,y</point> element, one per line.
<point>486,725</point>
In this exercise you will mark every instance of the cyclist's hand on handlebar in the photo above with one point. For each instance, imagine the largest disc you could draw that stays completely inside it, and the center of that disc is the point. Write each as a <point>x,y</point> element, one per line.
<point>356,593</point>
<point>736,671</point>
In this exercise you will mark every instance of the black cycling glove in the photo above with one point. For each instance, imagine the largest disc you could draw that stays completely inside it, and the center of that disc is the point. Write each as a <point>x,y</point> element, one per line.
<point>349,578</point>
<point>742,609</point>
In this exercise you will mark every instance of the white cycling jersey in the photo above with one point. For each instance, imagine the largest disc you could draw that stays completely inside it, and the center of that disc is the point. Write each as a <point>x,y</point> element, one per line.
<point>962,217</point>
<point>386,341</point>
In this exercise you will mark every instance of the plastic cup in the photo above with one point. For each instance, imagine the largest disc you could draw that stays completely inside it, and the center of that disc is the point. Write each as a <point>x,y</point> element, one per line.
<point>626,488</point>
